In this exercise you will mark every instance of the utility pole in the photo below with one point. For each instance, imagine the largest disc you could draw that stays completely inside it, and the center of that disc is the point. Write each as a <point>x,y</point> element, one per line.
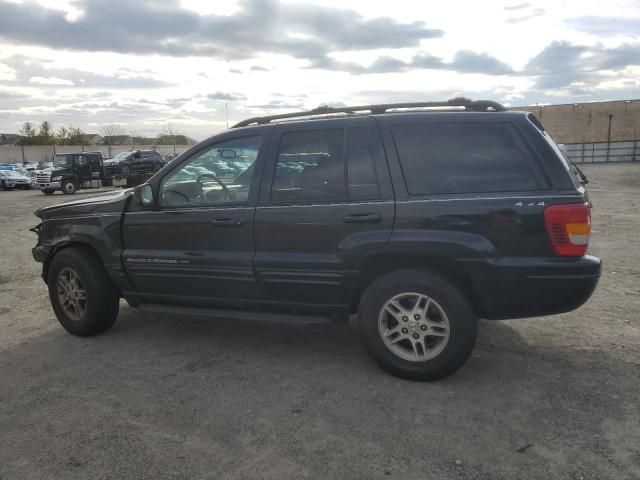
<point>226,110</point>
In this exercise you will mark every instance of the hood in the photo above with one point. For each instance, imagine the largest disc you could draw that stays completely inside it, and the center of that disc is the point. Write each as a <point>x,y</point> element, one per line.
<point>109,202</point>
<point>15,177</point>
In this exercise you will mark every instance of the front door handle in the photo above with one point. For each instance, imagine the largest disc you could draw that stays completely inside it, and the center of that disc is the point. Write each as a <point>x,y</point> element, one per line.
<point>227,222</point>
<point>363,218</point>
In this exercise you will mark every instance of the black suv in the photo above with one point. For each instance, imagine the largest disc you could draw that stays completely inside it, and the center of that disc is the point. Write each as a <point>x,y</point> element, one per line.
<point>419,220</point>
<point>134,167</point>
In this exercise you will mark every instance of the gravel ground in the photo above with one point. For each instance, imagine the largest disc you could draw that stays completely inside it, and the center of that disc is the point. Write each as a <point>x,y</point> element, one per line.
<point>165,397</point>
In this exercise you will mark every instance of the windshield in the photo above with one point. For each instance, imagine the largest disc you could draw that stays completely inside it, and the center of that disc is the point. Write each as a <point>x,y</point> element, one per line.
<point>11,173</point>
<point>63,161</point>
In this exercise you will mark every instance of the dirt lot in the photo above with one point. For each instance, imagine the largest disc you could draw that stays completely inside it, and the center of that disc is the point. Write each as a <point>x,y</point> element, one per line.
<point>165,397</point>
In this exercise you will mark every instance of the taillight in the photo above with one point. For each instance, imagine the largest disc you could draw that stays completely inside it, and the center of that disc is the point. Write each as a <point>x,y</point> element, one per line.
<point>569,228</point>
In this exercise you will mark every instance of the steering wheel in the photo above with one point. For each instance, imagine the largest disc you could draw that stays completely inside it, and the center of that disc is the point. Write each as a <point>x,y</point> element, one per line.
<point>228,193</point>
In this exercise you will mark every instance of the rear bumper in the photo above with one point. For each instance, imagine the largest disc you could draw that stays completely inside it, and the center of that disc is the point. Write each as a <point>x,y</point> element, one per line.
<point>519,287</point>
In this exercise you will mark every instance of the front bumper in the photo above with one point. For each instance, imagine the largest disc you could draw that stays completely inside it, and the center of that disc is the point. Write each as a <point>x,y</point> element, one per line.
<point>47,185</point>
<point>41,252</point>
<point>519,287</point>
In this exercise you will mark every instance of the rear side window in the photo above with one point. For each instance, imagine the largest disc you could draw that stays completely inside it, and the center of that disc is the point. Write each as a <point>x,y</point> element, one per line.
<point>441,158</point>
<point>310,166</point>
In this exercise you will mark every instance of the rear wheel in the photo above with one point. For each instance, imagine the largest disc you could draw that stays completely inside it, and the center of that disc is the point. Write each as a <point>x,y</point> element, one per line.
<point>417,325</point>
<point>69,187</point>
<point>82,295</point>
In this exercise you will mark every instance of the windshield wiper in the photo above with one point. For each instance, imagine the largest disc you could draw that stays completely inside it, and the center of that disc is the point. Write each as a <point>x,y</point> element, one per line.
<point>583,178</point>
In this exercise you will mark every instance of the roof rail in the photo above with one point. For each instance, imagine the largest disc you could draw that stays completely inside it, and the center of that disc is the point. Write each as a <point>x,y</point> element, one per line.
<point>468,104</point>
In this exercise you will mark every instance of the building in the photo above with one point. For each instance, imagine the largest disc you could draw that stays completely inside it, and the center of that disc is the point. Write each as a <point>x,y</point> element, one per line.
<point>9,138</point>
<point>91,139</point>
<point>615,121</point>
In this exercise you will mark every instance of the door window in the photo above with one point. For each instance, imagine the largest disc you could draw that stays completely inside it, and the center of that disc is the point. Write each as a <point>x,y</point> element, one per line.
<point>310,166</point>
<point>218,175</point>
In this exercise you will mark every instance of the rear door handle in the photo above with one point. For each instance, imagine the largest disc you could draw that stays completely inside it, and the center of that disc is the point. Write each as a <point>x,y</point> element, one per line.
<point>227,222</point>
<point>363,218</point>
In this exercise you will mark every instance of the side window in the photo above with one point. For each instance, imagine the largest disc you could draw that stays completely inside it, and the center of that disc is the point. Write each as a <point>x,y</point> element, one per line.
<point>361,171</point>
<point>439,158</point>
<point>310,166</point>
<point>218,175</point>
<point>81,160</point>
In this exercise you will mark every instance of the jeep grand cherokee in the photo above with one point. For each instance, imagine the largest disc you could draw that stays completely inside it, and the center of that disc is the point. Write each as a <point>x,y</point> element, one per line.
<point>419,220</point>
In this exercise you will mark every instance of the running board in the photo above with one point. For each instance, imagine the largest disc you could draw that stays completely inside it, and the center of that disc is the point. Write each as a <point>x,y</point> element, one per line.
<point>251,315</point>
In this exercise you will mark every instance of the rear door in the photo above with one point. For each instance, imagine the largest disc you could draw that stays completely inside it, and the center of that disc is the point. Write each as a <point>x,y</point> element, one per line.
<point>325,200</point>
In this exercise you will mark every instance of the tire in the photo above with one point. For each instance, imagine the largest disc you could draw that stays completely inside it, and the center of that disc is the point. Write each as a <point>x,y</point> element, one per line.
<point>69,187</point>
<point>101,304</point>
<point>449,347</point>
<point>48,191</point>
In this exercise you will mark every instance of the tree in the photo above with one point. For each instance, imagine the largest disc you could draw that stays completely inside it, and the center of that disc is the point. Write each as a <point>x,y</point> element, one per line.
<point>76,136</point>
<point>45,134</point>
<point>167,136</point>
<point>62,135</point>
<point>28,134</point>
<point>70,136</point>
<point>111,130</point>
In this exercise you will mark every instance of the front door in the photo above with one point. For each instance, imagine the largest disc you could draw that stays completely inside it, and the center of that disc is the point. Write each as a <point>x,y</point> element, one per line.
<point>325,201</point>
<point>196,245</point>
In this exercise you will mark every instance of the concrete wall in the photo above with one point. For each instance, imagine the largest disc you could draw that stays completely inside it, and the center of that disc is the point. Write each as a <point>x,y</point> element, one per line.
<point>589,122</point>
<point>43,153</point>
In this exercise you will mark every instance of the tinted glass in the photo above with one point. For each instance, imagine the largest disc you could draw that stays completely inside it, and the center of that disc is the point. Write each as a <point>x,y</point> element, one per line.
<point>310,166</point>
<point>361,172</point>
<point>220,174</point>
<point>462,158</point>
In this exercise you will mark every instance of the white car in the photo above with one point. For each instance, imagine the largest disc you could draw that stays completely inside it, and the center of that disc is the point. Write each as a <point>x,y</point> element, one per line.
<point>10,179</point>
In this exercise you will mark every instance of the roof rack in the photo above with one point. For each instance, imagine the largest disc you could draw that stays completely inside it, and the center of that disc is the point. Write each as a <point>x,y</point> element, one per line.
<point>468,104</point>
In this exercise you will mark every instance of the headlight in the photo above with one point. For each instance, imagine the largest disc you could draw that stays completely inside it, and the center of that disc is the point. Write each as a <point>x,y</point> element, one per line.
<point>56,179</point>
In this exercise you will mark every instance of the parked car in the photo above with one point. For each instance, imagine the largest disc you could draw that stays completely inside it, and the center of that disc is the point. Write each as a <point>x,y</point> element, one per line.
<point>73,171</point>
<point>134,167</point>
<point>10,179</point>
<point>418,221</point>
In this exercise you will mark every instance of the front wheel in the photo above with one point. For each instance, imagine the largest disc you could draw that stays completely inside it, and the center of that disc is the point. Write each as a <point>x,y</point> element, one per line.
<point>82,295</point>
<point>69,187</point>
<point>417,325</point>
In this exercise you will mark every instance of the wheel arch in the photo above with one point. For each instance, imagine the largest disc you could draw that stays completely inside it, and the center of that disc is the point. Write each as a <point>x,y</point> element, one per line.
<point>446,267</point>
<point>65,245</point>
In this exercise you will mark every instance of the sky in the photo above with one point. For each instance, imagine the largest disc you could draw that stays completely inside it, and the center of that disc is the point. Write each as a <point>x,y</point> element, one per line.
<point>193,65</point>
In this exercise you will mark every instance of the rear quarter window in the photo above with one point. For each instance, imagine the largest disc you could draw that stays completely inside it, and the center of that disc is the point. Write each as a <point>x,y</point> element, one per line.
<point>463,157</point>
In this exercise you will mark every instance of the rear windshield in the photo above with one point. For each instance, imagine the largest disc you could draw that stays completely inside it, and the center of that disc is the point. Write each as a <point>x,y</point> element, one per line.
<point>463,157</point>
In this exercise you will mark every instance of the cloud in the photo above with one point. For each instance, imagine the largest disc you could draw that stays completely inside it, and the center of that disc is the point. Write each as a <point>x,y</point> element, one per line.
<point>536,12</point>
<point>28,70</point>
<point>258,68</point>
<point>464,61</point>
<point>277,104</point>
<point>51,81</point>
<point>148,27</point>
<point>606,26</point>
<point>562,63</point>
<point>226,96</point>
<point>518,6</point>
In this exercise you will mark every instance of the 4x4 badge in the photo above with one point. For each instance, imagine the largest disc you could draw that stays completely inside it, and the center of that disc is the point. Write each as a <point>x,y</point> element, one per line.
<point>532,204</point>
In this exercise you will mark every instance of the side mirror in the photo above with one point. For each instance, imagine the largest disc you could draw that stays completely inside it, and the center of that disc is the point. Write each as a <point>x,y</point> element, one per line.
<point>143,195</point>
